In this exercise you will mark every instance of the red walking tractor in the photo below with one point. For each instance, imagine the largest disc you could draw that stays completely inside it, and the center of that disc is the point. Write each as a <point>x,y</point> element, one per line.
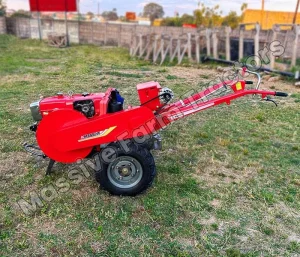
<point>74,127</point>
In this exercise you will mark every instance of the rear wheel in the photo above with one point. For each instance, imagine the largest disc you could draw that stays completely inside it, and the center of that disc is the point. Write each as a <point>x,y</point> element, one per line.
<point>130,173</point>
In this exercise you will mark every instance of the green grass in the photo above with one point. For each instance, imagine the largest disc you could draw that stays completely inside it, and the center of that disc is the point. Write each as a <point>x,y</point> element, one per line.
<point>228,178</point>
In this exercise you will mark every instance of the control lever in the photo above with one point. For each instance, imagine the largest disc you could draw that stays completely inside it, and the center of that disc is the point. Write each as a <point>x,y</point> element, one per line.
<point>269,99</point>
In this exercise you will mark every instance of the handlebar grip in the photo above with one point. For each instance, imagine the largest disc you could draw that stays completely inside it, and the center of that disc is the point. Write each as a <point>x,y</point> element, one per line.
<point>281,94</point>
<point>249,82</point>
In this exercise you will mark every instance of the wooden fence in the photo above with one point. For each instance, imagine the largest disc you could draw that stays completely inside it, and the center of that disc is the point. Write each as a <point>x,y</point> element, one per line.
<point>158,43</point>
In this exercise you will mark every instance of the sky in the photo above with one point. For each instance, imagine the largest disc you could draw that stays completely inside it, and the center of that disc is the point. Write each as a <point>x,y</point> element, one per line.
<point>170,6</point>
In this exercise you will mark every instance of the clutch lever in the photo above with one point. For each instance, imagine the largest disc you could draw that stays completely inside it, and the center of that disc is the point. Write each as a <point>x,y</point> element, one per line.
<point>269,99</point>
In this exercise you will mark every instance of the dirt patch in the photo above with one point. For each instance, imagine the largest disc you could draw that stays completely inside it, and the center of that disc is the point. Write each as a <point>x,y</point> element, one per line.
<point>294,238</point>
<point>217,173</point>
<point>18,78</point>
<point>84,193</point>
<point>12,164</point>
<point>42,60</point>
<point>195,75</point>
<point>52,69</point>
<point>215,203</point>
<point>281,85</point>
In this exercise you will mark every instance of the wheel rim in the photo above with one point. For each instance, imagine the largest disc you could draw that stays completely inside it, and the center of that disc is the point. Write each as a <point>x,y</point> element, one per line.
<point>125,172</point>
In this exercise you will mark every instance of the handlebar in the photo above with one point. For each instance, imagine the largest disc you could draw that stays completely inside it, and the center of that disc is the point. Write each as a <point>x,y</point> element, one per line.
<point>258,77</point>
<point>244,69</point>
<point>281,94</point>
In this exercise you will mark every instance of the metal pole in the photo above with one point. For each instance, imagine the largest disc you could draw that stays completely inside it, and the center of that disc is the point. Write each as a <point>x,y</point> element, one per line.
<point>39,19</point>
<point>78,13</point>
<point>296,11</point>
<point>66,22</point>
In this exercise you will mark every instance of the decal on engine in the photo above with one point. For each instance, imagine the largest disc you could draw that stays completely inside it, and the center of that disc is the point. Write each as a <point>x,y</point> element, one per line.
<point>98,134</point>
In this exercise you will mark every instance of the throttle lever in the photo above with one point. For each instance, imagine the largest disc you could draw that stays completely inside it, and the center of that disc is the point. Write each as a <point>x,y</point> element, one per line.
<point>269,99</point>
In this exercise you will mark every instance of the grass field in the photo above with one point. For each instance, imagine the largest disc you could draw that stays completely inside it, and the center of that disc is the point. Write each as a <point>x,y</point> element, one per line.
<point>228,178</point>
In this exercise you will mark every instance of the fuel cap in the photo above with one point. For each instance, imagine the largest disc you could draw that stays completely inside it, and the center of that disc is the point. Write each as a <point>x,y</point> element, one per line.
<point>60,95</point>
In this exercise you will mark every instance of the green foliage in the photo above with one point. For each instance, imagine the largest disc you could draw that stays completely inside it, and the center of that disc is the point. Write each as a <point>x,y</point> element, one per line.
<point>232,20</point>
<point>21,14</point>
<point>110,15</point>
<point>206,17</point>
<point>2,8</point>
<point>91,15</point>
<point>153,11</point>
<point>178,21</point>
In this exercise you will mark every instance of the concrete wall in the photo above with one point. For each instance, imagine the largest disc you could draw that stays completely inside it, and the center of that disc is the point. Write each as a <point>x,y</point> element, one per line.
<point>2,25</point>
<point>123,34</point>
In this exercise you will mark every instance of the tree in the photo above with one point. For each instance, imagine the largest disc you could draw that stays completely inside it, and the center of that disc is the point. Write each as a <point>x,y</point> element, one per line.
<point>90,15</point>
<point>178,21</point>
<point>110,15</point>
<point>243,8</point>
<point>199,15</point>
<point>171,21</point>
<point>232,20</point>
<point>2,8</point>
<point>208,17</point>
<point>186,18</point>
<point>153,11</point>
<point>21,14</point>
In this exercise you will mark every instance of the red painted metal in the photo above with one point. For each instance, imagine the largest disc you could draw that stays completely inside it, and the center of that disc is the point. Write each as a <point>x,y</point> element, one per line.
<point>53,5</point>
<point>148,93</point>
<point>66,135</point>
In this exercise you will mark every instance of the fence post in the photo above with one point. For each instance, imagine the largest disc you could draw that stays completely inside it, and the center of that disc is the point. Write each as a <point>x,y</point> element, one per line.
<point>241,42</point>
<point>228,31</point>
<point>275,29</point>
<point>215,44</point>
<point>256,44</point>
<point>105,35</point>
<point>155,48</point>
<point>208,33</point>
<point>178,48</point>
<point>140,44</point>
<point>197,48</point>
<point>120,35</point>
<point>189,47</point>
<point>296,30</point>
<point>92,32</point>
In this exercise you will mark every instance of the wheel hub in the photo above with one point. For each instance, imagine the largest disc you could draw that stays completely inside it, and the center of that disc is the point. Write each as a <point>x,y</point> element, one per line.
<point>125,172</point>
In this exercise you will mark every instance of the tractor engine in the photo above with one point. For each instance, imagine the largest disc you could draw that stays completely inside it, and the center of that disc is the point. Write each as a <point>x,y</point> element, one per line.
<point>90,105</point>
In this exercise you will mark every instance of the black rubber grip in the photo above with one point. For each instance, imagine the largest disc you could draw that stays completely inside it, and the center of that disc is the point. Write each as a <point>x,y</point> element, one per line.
<point>281,94</point>
<point>249,82</point>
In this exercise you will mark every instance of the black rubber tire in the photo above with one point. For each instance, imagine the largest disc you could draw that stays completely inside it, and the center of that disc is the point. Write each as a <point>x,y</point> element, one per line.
<point>144,157</point>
